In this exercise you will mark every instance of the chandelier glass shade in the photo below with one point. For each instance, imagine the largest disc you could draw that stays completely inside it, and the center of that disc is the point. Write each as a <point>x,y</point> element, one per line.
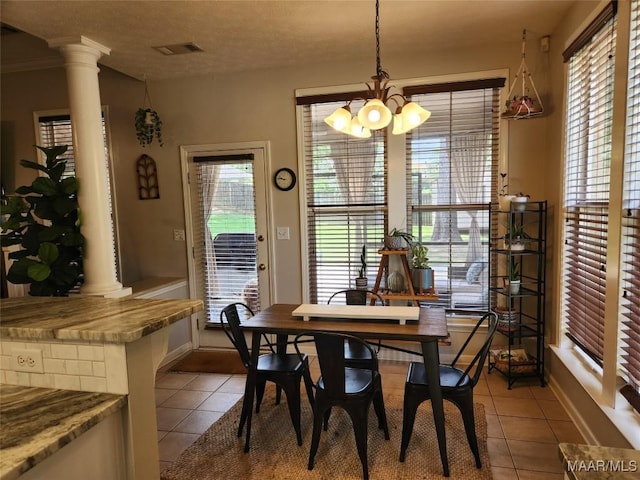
<point>376,114</point>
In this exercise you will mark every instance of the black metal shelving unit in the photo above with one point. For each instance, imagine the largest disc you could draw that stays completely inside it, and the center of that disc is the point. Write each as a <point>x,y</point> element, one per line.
<point>521,313</point>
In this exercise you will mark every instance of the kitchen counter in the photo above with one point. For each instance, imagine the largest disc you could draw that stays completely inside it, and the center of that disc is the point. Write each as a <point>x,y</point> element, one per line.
<point>94,319</point>
<point>593,462</point>
<point>93,344</point>
<point>37,422</point>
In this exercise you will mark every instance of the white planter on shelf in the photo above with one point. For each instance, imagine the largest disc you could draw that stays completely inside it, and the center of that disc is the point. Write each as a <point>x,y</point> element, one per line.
<point>519,203</point>
<point>362,283</point>
<point>514,287</point>
<point>514,245</point>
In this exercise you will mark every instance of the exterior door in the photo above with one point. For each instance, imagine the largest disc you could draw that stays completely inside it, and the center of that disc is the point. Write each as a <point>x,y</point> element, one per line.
<point>227,237</point>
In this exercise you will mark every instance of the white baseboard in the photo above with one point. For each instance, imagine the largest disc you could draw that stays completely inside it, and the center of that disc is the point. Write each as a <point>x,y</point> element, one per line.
<point>177,353</point>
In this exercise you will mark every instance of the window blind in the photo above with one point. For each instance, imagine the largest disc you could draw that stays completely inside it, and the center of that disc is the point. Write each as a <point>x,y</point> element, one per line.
<point>56,130</point>
<point>224,232</point>
<point>587,168</point>
<point>346,202</point>
<point>451,179</point>
<point>630,305</point>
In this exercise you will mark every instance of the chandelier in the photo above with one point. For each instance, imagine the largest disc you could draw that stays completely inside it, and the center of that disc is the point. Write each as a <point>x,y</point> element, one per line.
<point>376,114</point>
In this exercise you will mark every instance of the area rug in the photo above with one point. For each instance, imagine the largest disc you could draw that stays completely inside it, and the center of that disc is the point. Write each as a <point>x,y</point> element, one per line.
<point>205,361</point>
<point>275,454</point>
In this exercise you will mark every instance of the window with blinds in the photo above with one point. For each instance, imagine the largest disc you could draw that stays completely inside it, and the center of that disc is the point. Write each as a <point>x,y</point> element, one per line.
<point>452,171</point>
<point>346,205</point>
<point>587,170</point>
<point>56,130</point>
<point>630,305</point>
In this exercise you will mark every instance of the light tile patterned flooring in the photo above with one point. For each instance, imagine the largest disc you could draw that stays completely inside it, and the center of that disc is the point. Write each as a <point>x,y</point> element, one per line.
<point>525,424</point>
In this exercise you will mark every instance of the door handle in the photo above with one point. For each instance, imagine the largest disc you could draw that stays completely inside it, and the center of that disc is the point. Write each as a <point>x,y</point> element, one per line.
<point>260,238</point>
<point>262,266</point>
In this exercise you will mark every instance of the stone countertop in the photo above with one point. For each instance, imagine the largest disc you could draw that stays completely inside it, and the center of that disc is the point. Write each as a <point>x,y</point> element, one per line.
<point>37,422</point>
<point>592,462</point>
<point>96,319</point>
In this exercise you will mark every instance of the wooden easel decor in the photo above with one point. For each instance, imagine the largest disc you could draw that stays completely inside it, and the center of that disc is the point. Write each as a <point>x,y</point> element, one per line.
<point>147,178</point>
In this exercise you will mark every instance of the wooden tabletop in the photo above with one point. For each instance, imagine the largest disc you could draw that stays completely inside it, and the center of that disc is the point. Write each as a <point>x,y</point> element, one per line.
<point>278,318</point>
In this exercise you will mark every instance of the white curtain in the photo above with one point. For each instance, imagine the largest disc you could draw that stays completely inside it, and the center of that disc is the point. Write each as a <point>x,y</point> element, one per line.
<point>469,161</point>
<point>354,173</point>
<point>209,176</point>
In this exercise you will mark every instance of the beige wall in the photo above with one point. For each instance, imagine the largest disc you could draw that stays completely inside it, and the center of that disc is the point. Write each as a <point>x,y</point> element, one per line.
<point>205,110</point>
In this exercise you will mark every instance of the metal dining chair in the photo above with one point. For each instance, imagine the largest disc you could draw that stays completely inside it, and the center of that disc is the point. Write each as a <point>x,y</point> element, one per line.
<point>339,385</point>
<point>355,355</point>
<point>284,369</point>
<point>456,383</point>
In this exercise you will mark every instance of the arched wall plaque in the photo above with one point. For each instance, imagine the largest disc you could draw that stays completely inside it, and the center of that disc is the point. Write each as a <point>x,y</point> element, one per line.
<point>147,178</point>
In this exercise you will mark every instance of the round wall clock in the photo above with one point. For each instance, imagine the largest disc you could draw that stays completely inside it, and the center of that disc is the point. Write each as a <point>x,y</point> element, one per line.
<point>284,179</point>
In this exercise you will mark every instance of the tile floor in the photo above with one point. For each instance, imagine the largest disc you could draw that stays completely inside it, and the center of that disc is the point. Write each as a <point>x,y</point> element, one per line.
<point>525,424</point>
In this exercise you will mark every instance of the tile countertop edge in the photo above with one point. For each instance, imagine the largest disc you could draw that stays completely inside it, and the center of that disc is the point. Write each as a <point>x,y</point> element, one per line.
<point>121,320</point>
<point>594,462</point>
<point>38,442</point>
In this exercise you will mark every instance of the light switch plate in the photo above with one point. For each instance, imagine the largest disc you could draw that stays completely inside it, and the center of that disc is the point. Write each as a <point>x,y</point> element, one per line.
<point>282,233</point>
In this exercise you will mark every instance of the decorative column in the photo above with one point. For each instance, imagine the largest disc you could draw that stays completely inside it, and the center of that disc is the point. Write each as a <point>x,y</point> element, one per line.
<point>81,63</point>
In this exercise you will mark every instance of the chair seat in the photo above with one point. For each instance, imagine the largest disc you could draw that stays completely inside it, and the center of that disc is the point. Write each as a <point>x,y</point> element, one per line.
<point>356,380</point>
<point>289,362</point>
<point>449,376</point>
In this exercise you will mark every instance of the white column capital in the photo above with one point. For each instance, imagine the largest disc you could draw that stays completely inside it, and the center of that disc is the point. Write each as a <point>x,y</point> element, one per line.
<point>80,41</point>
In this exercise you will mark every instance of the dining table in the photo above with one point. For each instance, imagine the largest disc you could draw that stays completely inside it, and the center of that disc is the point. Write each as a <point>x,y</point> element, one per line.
<point>427,330</point>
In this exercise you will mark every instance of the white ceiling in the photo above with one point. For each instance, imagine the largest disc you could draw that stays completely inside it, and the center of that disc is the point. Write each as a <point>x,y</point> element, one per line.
<point>243,35</point>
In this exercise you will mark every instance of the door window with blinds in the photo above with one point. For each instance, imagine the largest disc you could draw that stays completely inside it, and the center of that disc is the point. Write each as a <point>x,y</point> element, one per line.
<point>346,204</point>
<point>224,232</point>
<point>53,129</point>
<point>587,176</point>
<point>452,164</point>
<point>630,304</point>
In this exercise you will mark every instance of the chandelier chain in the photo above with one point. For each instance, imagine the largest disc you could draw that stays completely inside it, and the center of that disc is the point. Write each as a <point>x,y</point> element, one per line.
<point>379,72</point>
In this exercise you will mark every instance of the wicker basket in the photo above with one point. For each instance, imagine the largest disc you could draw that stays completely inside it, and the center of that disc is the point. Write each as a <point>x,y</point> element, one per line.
<point>520,361</point>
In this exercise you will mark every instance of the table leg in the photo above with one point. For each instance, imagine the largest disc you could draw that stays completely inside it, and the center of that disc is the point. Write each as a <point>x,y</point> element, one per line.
<point>430,352</point>
<point>281,349</point>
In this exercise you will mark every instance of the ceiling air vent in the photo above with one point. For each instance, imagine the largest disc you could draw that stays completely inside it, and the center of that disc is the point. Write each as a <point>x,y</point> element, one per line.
<point>179,49</point>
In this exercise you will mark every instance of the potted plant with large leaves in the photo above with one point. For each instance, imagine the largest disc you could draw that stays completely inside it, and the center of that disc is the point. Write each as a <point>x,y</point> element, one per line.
<point>421,273</point>
<point>43,219</point>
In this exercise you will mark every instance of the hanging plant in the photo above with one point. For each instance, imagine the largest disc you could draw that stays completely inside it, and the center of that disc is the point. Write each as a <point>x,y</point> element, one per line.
<point>148,125</point>
<point>147,122</point>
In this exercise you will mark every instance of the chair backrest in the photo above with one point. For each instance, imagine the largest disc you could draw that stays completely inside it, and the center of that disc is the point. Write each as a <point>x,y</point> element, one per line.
<point>230,321</point>
<point>354,296</point>
<point>331,358</point>
<point>475,366</point>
